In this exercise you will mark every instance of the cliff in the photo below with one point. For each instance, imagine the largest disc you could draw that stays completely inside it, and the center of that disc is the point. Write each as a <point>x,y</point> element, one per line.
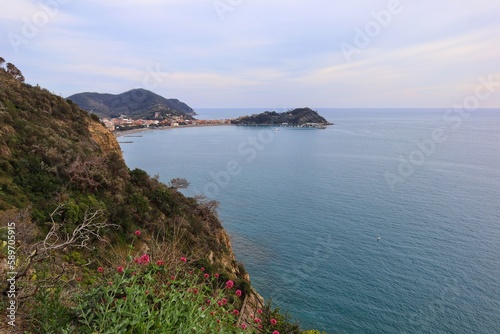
<point>93,246</point>
<point>59,165</point>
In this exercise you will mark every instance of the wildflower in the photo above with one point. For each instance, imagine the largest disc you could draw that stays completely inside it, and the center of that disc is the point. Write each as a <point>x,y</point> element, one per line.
<point>78,279</point>
<point>274,322</point>
<point>172,278</point>
<point>144,259</point>
<point>236,312</point>
<point>218,321</point>
<point>276,332</point>
<point>238,293</point>
<point>119,269</point>
<point>257,320</point>
<point>110,283</point>
<point>243,326</point>
<point>160,262</point>
<point>259,311</point>
<point>124,298</point>
<point>202,269</point>
<point>147,292</point>
<point>100,269</point>
<point>224,301</point>
<point>208,301</point>
<point>229,284</point>
<point>137,233</point>
<point>183,259</point>
<point>206,275</point>
<point>219,303</point>
<point>216,275</point>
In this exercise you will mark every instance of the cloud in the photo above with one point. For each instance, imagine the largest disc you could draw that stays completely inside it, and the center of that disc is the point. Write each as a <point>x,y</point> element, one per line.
<point>260,53</point>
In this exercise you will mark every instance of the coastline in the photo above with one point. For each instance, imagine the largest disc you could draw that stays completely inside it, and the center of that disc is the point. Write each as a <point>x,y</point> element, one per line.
<point>133,131</point>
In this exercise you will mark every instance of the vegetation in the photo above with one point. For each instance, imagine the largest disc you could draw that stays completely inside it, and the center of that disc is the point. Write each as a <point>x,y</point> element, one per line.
<point>97,244</point>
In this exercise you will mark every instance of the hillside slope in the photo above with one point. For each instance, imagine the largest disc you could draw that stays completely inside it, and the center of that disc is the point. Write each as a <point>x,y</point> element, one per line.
<point>59,165</point>
<point>136,103</point>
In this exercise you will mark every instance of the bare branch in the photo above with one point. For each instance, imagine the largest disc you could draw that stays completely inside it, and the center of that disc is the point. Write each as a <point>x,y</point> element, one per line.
<point>179,183</point>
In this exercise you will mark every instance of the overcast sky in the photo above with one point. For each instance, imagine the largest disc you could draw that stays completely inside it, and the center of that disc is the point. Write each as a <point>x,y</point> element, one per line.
<point>260,53</point>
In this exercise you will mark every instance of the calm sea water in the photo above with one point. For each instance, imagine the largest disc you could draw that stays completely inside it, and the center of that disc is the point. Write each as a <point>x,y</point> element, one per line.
<point>305,209</point>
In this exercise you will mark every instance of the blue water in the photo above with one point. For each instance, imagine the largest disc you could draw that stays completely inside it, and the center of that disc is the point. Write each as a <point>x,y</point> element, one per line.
<point>305,208</point>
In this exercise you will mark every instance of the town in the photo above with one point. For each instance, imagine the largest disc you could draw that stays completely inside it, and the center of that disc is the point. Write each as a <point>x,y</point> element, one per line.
<point>125,123</point>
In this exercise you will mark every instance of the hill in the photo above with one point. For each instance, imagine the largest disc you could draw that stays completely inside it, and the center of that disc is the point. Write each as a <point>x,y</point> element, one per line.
<point>80,232</point>
<point>136,103</point>
<point>295,117</point>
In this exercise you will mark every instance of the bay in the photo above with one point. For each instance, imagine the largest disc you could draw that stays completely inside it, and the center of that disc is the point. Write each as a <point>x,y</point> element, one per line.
<point>305,209</point>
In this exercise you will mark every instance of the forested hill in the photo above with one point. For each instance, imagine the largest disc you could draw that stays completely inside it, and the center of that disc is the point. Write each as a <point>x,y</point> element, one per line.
<point>295,117</point>
<point>136,103</point>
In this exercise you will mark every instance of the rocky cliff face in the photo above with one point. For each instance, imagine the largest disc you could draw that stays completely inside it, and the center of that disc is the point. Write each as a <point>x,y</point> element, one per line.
<point>104,139</point>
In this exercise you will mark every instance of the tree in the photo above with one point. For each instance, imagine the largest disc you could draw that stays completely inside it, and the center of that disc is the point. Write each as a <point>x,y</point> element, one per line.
<point>15,72</point>
<point>179,183</point>
<point>2,61</point>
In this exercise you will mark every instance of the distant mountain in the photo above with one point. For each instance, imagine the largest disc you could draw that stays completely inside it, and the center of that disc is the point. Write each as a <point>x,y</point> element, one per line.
<point>295,117</point>
<point>136,103</point>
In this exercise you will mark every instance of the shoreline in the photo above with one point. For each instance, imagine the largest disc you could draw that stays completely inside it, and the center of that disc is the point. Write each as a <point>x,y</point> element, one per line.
<point>125,133</point>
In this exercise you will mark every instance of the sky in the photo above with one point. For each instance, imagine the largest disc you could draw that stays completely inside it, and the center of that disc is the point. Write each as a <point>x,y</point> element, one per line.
<point>262,53</point>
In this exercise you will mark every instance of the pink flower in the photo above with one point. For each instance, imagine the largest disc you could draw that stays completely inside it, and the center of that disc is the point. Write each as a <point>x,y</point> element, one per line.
<point>78,279</point>
<point>208,301</point>
<point>183,259</point>
<point>229,284</point>
<point>274,322</point>
<point>144,259</point>
<point>276,332</point>
<point>137,233</point>
<point>216,275</point>
<point>206,275</point>
<point>110,283</point>
<point>195,291</point>
<point>243,326</point>
<point>224,301</point>
<point>238,293</point>
<point>119,269</point>
<point>172,278</point>
<point>219,303</point>
<point>259,311</point>
<point>202,269</point>
<point>100,269</point>
<point>160,262</point>
<point>236,312</point>
<point>257,320</point>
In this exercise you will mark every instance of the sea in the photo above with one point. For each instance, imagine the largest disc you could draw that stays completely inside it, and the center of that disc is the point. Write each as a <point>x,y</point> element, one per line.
<point>386,222</point>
